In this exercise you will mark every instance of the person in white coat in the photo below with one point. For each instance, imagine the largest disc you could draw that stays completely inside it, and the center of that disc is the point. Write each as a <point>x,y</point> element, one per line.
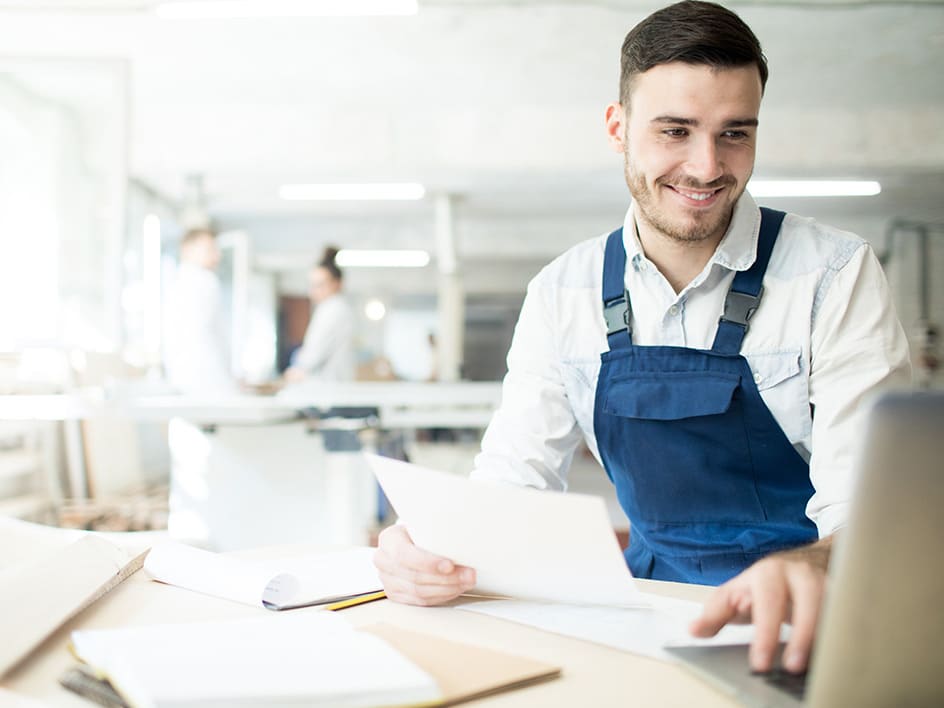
<point>327,352</point>
<point>196,355</point>
<point>197,364</point>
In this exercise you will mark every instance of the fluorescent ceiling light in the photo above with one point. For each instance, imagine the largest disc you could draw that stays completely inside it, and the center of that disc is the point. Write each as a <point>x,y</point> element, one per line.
<point>355,192</point>
<point>813,188</point>
<point>351,258</point>
<point>220,9</point>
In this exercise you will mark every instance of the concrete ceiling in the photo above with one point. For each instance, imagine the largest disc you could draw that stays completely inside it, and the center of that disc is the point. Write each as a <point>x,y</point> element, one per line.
<point>500,103</point>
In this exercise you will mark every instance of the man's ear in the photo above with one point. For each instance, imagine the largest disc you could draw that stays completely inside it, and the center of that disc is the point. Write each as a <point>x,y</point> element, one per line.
<point>616,127</point>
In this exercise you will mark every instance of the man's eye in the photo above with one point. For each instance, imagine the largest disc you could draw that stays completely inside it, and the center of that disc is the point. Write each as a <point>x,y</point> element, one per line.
<point>675,132</point>
<point>735,134</point>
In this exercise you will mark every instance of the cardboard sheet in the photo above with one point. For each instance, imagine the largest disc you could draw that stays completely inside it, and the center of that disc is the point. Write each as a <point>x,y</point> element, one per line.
<point>463,671</point>
<point>41,597</point>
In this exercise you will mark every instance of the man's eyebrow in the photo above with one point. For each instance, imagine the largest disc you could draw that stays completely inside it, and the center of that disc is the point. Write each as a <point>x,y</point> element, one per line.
<point>674,120</point>
<point>677,120</point>
<point>741,123</point>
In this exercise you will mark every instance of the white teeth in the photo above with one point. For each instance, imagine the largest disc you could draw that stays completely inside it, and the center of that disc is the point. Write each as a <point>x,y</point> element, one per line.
<point>697,196</point>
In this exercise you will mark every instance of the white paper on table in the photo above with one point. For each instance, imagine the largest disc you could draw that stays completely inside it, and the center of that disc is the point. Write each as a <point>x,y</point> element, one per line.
<point>522,543</point>
<point>310,659</point>
<point>278,584</point>
<point>641,630</point>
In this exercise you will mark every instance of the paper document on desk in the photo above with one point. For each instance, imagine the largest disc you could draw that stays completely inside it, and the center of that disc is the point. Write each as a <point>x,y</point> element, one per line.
<point>523,543</point>
<point>281,584</point>
<point>313,659</point>
<point>645,631</point>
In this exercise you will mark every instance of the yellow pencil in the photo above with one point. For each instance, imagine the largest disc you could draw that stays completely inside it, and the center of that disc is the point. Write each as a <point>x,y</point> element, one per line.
<point>359,600</point>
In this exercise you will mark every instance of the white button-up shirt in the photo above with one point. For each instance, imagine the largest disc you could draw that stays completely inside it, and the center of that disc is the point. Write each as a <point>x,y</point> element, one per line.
<point>824,338</point>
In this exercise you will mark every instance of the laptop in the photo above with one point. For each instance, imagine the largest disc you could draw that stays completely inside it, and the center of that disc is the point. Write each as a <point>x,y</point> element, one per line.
<point>880,641</point>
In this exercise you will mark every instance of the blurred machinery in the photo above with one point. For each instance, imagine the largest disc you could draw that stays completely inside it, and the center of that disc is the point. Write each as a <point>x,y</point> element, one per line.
<point>926,333</point>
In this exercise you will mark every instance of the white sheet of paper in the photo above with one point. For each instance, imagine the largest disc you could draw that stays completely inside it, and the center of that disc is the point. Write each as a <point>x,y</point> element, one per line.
<point>639,630</point>
<point>278,581</point>
<point>209,573</point>
<point>523,543</point>
<point>297,659</point>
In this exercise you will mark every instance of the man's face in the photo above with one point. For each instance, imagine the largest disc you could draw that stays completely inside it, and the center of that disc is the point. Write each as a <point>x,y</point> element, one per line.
<point>205,252</point>
<point>688,138</point>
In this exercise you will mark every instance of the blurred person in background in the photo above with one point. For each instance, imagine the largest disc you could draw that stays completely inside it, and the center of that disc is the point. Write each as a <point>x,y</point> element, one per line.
<point>327,353</point>
<point>196,355</point>
<point>197,362</point>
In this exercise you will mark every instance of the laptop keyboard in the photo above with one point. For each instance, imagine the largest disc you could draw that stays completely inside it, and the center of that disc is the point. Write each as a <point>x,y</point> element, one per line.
<point>793,684</point>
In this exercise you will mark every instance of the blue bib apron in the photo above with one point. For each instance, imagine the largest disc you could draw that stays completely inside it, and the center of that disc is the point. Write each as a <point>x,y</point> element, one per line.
<point>705,474</point>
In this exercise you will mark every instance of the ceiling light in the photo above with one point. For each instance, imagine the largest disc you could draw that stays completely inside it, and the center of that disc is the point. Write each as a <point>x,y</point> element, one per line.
<point>375,310</point>
<point>813,188</point>
<point>353,192</point>
<point>218,9</point>
<point>351,258</point>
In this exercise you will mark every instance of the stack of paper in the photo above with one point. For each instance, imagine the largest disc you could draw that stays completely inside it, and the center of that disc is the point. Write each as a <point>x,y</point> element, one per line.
<point>281,584</point>
<point>311,659</point>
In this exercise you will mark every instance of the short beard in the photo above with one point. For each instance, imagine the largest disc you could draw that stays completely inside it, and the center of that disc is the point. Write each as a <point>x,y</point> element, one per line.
<point>695,230</point>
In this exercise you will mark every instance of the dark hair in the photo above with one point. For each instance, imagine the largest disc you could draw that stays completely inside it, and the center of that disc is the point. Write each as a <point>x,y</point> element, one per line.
<point>329,262</point>
<point>693,32</point>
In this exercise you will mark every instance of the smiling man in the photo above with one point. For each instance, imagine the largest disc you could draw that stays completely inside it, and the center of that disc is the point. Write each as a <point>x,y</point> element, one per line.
<point>713,355</point>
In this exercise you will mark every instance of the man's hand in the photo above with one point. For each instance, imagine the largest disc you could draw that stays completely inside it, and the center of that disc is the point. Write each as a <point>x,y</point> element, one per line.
<point>417,577</point>
<point>783,587</point>
<point>293,374</point>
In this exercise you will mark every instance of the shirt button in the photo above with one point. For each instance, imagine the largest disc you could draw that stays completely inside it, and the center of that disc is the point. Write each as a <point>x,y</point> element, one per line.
<point>758,378</point>
<point>674,310</point>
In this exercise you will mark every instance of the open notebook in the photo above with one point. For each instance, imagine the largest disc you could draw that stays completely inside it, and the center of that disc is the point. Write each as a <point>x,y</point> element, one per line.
<point>329,579</point>
<point>36,601</point>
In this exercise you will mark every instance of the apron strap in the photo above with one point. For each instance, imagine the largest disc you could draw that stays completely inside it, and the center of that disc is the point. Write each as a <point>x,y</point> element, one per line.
<point>617,310</point>
<point>746,290</point>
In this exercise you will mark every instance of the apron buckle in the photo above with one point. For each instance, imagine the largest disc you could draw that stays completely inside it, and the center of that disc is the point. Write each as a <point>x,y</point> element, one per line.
<point>740,307</point>
<point>616,315</point>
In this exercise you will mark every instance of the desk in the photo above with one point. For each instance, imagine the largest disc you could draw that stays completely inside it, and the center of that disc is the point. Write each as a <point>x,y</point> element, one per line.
<point>399,404</point>
<point>593,675</point>
<point>235,458</point>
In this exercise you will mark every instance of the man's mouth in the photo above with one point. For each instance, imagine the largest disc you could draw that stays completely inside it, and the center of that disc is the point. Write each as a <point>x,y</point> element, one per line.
<point>698,196</point>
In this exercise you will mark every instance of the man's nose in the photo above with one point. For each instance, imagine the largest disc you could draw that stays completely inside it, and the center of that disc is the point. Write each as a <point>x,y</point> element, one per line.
<point>704,161</point>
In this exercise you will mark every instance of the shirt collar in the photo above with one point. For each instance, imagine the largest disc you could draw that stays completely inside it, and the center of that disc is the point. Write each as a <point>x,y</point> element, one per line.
<point>737,250</point>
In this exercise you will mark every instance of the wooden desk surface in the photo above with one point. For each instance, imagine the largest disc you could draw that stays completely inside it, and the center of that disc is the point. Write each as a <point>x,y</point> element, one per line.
<point>593,675</point>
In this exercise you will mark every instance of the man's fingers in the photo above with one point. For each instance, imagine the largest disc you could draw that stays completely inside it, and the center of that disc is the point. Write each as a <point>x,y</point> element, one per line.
<point>400,590</point>
<point>806,590</point>
<point>412,575</point>
<point>415,589</point>
<point>783,587</point>
<point>400,549</point>
<point>770,603</point>
<point>390,567</point>
<point>719,609</point>
<point>417,559</point>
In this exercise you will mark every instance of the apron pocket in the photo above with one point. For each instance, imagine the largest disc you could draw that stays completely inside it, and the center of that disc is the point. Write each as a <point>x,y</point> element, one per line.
<point>671,395</point>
